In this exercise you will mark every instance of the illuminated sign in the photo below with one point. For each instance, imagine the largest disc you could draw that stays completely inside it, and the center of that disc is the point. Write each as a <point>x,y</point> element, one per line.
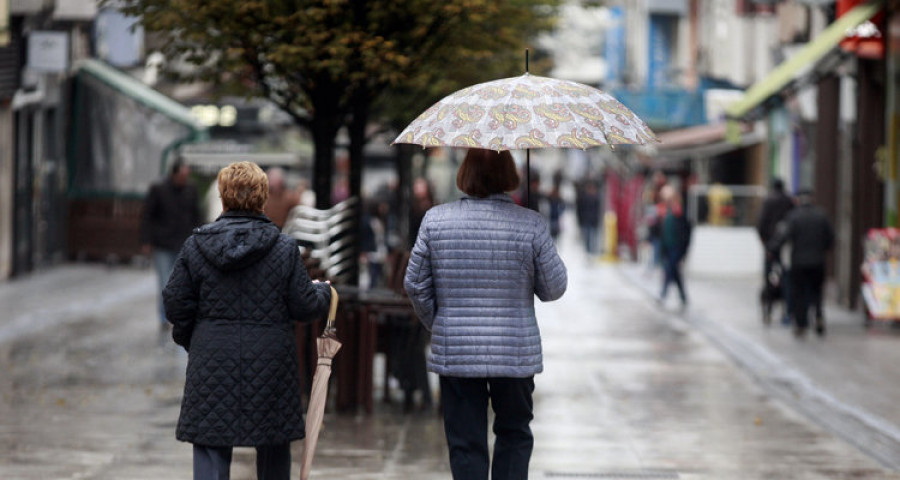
<point>214,115</point>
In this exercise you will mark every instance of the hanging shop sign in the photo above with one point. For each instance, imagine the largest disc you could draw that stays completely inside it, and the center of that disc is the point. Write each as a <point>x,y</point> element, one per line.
<point>866,40</point>
<point>48,51</point>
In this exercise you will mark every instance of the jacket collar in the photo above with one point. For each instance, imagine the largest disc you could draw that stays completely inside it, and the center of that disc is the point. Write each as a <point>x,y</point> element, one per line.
<point>244,214</point>
<point>494,196</point>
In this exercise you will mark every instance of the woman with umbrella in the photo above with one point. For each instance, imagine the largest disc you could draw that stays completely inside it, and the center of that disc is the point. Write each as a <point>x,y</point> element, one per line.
<point>237,289</point>
<point>473,273</point>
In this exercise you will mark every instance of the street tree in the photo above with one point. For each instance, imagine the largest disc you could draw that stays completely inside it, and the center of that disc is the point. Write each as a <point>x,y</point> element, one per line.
<point>327,62</point>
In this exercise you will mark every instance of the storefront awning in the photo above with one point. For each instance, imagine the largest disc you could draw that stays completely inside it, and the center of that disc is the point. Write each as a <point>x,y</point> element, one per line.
<point>124,133</point>
<point>820,55</point>
<point>144,94</point>
<point>702,141</point>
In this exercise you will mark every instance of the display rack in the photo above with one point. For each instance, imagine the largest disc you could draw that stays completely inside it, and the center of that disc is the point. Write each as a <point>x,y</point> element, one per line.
<point>881,274</point>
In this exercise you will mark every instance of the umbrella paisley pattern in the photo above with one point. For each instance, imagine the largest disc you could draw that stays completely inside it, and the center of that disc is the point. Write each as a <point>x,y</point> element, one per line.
<point>527,112</point>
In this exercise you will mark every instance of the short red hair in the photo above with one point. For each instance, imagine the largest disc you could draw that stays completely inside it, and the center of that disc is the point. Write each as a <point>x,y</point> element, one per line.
<point>243,186</point>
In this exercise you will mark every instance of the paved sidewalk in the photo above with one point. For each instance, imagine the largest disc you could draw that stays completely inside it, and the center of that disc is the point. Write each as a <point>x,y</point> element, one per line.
<point>88,390</point>
<point>848,380</point>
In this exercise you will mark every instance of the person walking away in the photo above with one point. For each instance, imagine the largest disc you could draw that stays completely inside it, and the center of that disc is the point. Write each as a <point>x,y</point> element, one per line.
<point>810,234</point>
<point>373,242</point>
<point>171,211</point>
<point>281,199</point>
<point>555,207</point>
<point>587,207</point>
<point>775,208</point>
<point>534,195</point>
<point>237,289</point>
<point>473,273</point>
<point>422,200</point>
<point>659,181</point>
<point>675,238</point>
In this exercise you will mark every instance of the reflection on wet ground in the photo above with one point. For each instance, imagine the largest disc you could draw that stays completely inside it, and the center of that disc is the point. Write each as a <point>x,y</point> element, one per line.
<point>626,393</point>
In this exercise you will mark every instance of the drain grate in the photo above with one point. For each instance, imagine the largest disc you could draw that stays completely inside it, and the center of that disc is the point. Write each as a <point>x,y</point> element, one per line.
<point>619,475</point>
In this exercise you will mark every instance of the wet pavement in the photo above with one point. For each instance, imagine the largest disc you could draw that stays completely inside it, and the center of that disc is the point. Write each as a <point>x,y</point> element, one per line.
<point>630,389</point>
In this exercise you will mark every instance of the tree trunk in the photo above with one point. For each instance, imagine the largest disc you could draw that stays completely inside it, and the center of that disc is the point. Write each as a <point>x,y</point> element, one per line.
<point>324,127</point>
<point>357,131</point>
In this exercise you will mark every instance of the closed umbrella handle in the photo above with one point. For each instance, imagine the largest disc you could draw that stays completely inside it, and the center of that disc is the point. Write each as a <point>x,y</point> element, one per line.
<point>332,311</point>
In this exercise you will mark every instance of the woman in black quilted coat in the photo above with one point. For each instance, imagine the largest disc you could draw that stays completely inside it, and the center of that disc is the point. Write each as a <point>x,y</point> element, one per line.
<point>237,289</point>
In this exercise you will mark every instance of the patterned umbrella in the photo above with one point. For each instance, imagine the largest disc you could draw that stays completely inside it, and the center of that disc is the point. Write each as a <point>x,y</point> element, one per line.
<point>527,112</point>
<point>327,347</point>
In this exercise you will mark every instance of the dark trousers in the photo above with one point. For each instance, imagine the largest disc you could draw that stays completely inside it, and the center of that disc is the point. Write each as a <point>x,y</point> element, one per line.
<point>807,289</point>
<point>672,274</point>
<point>273,462</point>
<point>465,404</point>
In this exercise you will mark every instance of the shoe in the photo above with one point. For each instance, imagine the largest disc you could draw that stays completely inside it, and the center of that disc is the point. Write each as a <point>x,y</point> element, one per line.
<point>799,332</point>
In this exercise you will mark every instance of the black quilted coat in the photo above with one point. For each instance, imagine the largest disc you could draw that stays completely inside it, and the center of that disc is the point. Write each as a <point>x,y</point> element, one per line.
<point>236,291</point>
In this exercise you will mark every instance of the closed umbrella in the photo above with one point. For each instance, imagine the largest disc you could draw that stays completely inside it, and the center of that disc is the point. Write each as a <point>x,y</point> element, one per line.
<point>327,347</point>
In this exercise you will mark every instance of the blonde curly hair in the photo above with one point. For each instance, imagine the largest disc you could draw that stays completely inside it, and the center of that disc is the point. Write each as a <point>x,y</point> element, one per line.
<point>243,186</point>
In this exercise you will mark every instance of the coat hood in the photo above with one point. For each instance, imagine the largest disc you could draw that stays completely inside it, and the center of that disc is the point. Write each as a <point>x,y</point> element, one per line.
<point>236,240</point>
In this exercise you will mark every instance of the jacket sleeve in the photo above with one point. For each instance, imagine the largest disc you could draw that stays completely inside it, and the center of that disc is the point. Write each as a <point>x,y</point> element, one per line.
<point>781,236</point>
<point>550,276</point>
<point>418,282</point>
<point>306,300</point>
<point>180,299</point>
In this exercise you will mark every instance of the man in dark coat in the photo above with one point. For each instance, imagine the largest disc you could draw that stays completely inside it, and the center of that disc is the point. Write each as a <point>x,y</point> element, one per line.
<point>171,211</point>
<point>811,236</point>
<point>237,288</point>
<point>774,210</point>
<point>587,211</point>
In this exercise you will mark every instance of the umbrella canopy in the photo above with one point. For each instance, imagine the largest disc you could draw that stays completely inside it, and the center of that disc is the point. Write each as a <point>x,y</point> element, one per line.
<point>527,112</point>
<point>327,346</point>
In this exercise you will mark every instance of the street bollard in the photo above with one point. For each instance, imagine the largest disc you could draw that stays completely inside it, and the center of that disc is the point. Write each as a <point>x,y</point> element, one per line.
<point>610,236</point>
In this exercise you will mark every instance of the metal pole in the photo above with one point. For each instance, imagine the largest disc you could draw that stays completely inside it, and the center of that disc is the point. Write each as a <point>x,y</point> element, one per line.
<point>527,178</point>
<point>527,158</point>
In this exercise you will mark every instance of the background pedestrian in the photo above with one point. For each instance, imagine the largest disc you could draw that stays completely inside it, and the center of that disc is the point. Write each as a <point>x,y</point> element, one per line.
<point>587,212</point>
<point>237,289</point>
<point>373,245</point>
<point>473,273</point>
<point>171,212</point>
<point>810,234</point>
<point>675,238</point>
<point>281,198</point>
<point>556,206</point>
<point>774,210</point>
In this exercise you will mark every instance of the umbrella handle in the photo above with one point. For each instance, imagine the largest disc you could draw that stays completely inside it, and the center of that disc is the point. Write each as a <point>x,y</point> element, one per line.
<point>332,311</point>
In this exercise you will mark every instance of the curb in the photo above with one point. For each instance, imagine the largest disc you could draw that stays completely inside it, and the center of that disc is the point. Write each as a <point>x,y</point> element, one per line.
<point>871,434</point>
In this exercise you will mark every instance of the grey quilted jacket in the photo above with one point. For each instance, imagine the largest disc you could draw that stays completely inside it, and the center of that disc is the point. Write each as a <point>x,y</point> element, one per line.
<point>472,276</point>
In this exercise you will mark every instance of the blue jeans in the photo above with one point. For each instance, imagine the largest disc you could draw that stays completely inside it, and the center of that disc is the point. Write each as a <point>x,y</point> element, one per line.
<point>589,234</point>
<point>672,274</point>
<point>163,263</point>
